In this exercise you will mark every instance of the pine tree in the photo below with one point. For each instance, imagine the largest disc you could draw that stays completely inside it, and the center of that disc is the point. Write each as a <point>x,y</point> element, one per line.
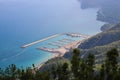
<point>111,63</point>
<point>59,72</point>
<point>83,70</point>
<point>102,72</point>
<point>65,72</point>
<point>53,73</point>
<point>90,67</point>
<point>75,63</point>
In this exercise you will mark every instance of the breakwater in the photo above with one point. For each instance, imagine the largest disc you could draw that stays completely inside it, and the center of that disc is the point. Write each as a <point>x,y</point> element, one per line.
<point>30,44</point>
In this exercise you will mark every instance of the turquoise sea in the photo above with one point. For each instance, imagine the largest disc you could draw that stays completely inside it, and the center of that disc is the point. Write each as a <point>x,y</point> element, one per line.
<point>25,21</point>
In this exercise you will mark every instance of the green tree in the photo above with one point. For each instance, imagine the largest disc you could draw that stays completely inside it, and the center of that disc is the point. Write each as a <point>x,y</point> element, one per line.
<point>53,73</point>
<point>117,75</point>
<point>90,67</point>
<point>45,75</point>
<point>102,72</point>
<point>65,72</point>
<point>111,63</point>
<point>28,74</point>
<point>11,72</point>
<point>83,70</point>
<point>2,74</point>
<point>75,63</point>
<point>59,72</point>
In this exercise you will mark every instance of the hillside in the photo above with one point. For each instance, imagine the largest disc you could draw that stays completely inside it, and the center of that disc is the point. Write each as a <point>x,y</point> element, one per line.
<point>106,27</point>
<point>100,51</point>
<point>103,38</point>
<point>101,43</point>
<point>54,62</point>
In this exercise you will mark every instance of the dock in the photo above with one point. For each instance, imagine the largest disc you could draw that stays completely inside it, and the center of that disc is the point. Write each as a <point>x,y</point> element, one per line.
<point>66,41</point>
<point>54,44</point>
<point>58,42</point>
<point>77,35</point>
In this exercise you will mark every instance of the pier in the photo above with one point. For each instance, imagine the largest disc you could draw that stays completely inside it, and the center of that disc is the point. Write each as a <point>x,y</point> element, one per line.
<point>30,44</point>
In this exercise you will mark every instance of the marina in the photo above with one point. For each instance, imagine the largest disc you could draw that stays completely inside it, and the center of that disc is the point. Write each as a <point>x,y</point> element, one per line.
<point>64,40</point>
<point>64,44</point>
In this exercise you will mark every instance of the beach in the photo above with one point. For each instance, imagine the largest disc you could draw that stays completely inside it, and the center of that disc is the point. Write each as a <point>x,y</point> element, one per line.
<point>59,52</point>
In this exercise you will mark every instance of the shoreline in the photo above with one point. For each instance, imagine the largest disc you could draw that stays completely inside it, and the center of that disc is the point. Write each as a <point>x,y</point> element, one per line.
<point>41,64</point>
<point>60,51</point>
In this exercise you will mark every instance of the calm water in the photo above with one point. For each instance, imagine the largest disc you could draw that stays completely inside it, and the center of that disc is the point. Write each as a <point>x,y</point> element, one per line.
<point>24,21</point>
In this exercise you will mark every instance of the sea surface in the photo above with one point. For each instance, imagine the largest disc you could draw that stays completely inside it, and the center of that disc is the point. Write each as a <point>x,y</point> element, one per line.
<point>25,21</point>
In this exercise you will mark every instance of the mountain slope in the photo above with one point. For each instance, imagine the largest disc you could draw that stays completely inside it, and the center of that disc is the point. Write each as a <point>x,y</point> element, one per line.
<point>100,51</point>
<point>103,38</point>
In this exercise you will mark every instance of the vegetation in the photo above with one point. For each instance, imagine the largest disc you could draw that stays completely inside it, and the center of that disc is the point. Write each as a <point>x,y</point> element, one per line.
<point>81,69</point>
<point>54,62</point>
<point>103,38</point>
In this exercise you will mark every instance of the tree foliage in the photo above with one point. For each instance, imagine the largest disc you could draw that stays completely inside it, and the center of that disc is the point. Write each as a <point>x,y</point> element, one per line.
<point>81,69</point>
